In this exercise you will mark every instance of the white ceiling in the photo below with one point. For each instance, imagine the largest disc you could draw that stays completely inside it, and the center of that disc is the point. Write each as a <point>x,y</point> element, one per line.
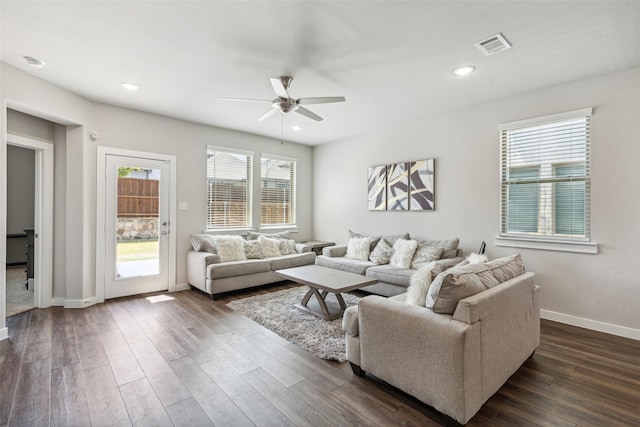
<point>392,60</point>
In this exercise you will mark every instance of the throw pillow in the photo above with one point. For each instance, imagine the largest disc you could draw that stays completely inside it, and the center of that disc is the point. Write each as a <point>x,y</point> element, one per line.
<point>403,251</point>
<point>230,248</point>
<point>358,248</point>
<point>420,281</point>
<point>270,247</point>
<point>461,282</point>
<point>287,247</point>
<point>450,246</point>
<point>252,235</point>
<point>381,254</point>
<point>252,249</point>
<point>373,239</point>
<point>425,254</point>
<point>203,243</point>
<point>475,258</point>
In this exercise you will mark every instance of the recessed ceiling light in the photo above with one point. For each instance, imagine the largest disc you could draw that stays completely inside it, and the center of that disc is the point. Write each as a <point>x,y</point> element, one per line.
<point>129,86</point>
<point>296,128</point>
<point>35,63</point>
<point>464,71</point>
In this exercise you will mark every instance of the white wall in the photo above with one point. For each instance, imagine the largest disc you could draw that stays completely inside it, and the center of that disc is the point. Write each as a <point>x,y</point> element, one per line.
<point>598,291</point>
<point>135,130</point>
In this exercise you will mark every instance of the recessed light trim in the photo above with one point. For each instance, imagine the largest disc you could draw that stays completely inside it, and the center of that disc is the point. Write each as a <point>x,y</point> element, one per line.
<point>464,71</point>
<point>296,128</point>
<point>34,62</point>
<point>130,86</point>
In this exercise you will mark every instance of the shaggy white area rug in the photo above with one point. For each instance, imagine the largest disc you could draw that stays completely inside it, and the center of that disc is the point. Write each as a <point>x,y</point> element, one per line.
<point>277,311</point>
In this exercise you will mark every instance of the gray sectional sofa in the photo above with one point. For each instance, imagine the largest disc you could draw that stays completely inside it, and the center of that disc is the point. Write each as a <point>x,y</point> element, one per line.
<point>207,272</point>
<point>392,280</point>
<point>457,353</point>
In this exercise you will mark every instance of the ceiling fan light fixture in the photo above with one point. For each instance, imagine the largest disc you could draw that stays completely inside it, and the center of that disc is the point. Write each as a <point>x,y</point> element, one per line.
<point>130,86</point>
<point>464,71</point>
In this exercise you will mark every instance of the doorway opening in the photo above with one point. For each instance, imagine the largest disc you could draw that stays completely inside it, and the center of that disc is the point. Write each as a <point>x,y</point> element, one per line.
<point>29,224</point>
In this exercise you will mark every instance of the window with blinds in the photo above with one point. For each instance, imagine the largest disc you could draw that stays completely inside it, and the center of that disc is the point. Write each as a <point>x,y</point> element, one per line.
<point>228,188</point>
<point>278,181</point>
<point>546,177</point>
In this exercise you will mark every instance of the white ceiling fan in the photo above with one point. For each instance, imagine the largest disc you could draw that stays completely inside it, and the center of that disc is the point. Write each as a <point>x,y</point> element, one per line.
<point>285,104</point>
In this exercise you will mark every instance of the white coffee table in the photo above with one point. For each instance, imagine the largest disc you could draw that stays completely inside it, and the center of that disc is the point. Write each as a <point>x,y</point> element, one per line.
<point>323,281</point>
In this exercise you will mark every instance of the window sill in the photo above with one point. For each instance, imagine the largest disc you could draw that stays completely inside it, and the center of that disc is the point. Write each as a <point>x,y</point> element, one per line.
<point>293,228</point>
<point>566,246</point>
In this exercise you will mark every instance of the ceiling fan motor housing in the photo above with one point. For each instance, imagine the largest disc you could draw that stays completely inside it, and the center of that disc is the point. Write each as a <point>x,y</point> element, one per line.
<point>285,105</point>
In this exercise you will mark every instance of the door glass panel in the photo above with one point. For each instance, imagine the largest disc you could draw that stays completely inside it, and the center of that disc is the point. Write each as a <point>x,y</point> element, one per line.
<point>137,227</point>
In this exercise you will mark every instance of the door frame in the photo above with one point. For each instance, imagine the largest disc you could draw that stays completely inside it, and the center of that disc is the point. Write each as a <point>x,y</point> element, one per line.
<point>42,218</point>
<point>101,221</point>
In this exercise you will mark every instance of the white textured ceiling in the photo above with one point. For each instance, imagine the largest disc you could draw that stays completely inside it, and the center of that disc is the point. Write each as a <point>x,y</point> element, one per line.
<point>392,60</point>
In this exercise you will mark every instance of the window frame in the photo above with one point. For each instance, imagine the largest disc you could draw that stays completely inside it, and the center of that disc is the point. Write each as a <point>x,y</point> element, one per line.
<point>292,193</point>
<point>248,189</point>
<point>544,239</point>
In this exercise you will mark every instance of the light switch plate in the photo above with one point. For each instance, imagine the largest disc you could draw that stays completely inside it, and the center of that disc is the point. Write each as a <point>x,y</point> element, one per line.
<point>183,206</point>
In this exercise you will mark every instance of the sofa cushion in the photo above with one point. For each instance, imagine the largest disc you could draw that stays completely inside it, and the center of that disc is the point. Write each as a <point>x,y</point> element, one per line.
<point>270,247</point>
<point>253,235</point>
<point>381,254</point>
<point>390,274</point>
<point>403,251</point>
<point>344,264</point>
<point>230,248</point>
<point>450,247</point>
<point>290,261</point>
<point>359,248</point>
<point>203,243</point>
<point>287,246</point>
<point>237,268</point>
<point>425,254</point>
<point>391,238</point>
<point>253,249</point>
<point>460,282</point>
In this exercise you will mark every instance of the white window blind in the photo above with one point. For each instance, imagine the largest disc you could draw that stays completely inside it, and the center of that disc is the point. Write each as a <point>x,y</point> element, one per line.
<point>228,188</point>
<point>546,177</point>
<point>278,181</point>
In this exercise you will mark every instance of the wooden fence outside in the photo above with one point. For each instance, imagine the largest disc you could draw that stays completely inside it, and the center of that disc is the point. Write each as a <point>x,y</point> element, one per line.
<point>138,198</point>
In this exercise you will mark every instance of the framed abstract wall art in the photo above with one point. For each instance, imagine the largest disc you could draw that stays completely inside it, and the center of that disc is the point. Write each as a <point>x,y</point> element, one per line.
<point>421,185</point>
<point>377,184</point>
<point>402,186</point>
<point>398,187</point>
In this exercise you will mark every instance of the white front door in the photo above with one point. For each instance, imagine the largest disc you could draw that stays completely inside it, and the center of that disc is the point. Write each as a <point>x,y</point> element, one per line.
<point>136,225</point>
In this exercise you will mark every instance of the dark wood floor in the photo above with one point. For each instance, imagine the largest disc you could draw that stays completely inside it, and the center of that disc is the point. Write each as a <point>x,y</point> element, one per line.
<point>191,361</point>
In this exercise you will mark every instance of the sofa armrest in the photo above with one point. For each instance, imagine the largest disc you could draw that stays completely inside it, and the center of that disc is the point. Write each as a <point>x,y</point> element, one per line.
<point>335,251</point>
<point>197,263</point>
<point>302,248</point>
<point>350,321</point>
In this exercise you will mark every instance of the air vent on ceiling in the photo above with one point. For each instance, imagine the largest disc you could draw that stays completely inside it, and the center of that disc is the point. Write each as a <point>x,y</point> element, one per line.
<point>493,44</point>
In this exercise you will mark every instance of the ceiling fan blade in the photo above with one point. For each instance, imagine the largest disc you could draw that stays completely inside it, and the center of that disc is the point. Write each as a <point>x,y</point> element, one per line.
<point>267,114</point>
<point>321,100</point>
<point>279,88</point>
<point>245,99</point>
<point>307,113</point>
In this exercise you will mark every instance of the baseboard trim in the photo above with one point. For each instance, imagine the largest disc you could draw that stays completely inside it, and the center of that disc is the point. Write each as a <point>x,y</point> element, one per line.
<point>58,302</point>
<point>4,333</point>
<point>182,287</point>
<point>79,303</point>
<point>594,325</point>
